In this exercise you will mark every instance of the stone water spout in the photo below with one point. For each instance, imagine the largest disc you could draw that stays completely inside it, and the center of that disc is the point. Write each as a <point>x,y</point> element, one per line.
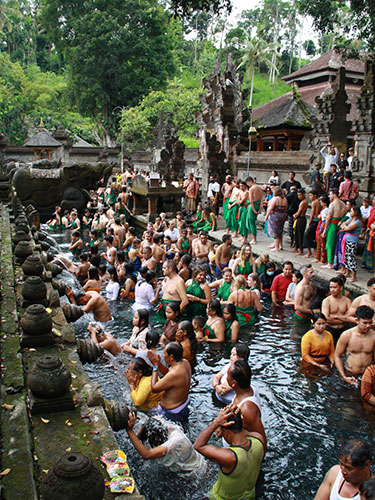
<point>88,351</point>
<point>117,414</point>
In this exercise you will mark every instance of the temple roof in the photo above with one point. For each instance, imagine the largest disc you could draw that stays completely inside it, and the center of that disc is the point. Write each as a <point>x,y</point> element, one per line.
<point>328,63</point>
<point>287,110</point>
<point>81,143</point>
<point>42,140</point>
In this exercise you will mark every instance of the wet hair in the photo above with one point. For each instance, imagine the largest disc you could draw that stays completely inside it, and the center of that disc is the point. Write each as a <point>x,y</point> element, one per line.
<point>129,270</point>
<point>109,238</point>
<point>215,305</point>
<point>187,327</point>
<point>186,259</point>
<point>371,281</point>
<point>150,275</point>
<point>175,306</point>
<point>242,350</point>
<point>154,432</point>
<point>304,268</point>
<point>357,450</point>
<point>84,256</point>
<point>140,365</point>
<point>102,268</point>
<point>156,238</point>
<point>298,274</point>
<point>93,273</point>
<point>225,237</point>
<point>337,279</point>
<point>364,312</point>
<point>301,191</point>
<point>231,308</point>
<point>240,371</point>
<point>132,230</point>
<point>318,315</point>
<point>325,199</point>
<point>368,489</point>
<point>171,265</point>
<point>334,191</point>
<point>113,273</point>
<point>200,320</point>
<point>152,338</point>
<point>175,349</point>
<point>94,250</point>
<point>143,318</point>
<point>236,423</point>
<point>79,294</point>
<point>77,234</point>
<point>314,192</point>
<point>143,271</point>
<point>149,249</point>
<point>204,233</point>
<point>120,256</point>
<point>117,220</point>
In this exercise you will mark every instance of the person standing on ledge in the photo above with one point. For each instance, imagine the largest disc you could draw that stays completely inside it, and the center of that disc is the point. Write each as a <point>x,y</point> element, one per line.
<point>300,222</point>
<point>291,182</point>
<point>309,238</point>
<point>226,191</point>
<point>255,199</point>
<point>336,211</point>
<point>213,191</point>
<point>240,463</point>
<point>191,188</point>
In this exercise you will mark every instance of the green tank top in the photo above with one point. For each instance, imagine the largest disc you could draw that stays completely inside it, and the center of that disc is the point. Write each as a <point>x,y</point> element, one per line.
<point>246,270</point>
<point>185,244</point>
<point>224,291</point>
<point>240,483</point>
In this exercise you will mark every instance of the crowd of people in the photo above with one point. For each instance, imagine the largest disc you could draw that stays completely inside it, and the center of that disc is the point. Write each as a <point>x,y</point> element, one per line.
<point>186,290</point>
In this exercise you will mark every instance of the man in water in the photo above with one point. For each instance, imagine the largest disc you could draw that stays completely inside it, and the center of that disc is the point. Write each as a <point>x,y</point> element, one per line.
<point>173,289</point>
<point>201,248</point>
<point>223,254</point>
<point>368,299</point>
<point>169,447</point>
<point>175,384</point>
<point>246,398</point>
<point>110,254</point>
<point>335,308</point>
<point>303,296</point>
<point>91,301</point>
<point>358,344</point>
<point>148,260</point>
<point>344,480</point>
<point>255,199</point>
<point>105,339</point>
<point>239,463</point>
<point>281,282</point>
<point>336,211</point>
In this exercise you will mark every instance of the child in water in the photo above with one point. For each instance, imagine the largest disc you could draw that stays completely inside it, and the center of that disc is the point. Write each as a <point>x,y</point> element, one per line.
<point>198,323</point>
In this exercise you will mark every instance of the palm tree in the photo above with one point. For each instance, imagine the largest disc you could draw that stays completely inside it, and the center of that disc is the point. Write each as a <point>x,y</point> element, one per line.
<point>7,7</point>
<point>257,52</point>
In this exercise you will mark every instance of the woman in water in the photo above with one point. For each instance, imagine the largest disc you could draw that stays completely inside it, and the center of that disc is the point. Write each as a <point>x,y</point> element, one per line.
<point>260,263</point>
<point>147,292</point>
<point>75,223</point>
<point>86,219</point>
<point>130,280</point>
<point>140,328</point>
<point>245,264</point>
<point>183,243</point>
<point>276,216</point>
<point>266,279</point>
<point>186,337</point>
<point>223,391</point>
<point>139,374</point>
<point>246,301</point>
<point>253,283</point>
<point>169,248</point>
<point>135,255</point>
<point>223,285</point>
<point>198,293</point>
<point>289,297</point>
<point>76,244</point>
<point>129,238</point>
<point>93,284</point>
<point>232,326</point>
<point>317,346</point>
<point>214,328</point>
<point>113,287</point>
<point>172,313</point>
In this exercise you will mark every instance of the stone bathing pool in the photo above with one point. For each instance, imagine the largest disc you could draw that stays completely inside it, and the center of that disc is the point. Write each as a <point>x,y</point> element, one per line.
<point>306,417</point>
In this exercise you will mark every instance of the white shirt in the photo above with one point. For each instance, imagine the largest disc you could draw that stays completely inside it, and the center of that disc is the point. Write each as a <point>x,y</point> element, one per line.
<point>174,235</point>
<point>213,188</point>
<point>144,294</point>
<point>365,212</point>
<point>112,290</point>
<point>329,159</point>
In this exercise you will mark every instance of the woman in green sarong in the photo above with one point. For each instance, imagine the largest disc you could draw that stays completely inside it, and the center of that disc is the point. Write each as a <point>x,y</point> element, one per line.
<point>232,326</point>
<point>246,301</point>
<point>183,243</point>
<point>223,286</point>
<point>198,222</point>
<point>245,264</point>
<point>210,221</point>
<point>214,328</point>
<point>198,293</point>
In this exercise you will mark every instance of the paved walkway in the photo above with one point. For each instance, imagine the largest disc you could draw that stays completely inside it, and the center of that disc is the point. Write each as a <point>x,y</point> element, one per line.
<point>357,288</point>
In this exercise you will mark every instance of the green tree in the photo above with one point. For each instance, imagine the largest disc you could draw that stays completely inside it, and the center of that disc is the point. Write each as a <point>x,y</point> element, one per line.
<point>116,51</point>
<point>186,8</point>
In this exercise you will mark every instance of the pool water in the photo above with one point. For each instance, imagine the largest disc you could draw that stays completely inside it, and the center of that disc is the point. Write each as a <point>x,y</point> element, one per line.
<point>306,416</point>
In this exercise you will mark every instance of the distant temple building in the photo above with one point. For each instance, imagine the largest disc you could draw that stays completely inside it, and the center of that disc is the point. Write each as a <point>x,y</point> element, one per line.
<point>283,123</point>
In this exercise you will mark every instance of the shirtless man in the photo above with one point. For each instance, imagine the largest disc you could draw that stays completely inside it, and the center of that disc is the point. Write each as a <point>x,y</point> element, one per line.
<point>82,273</point>
<point>91,301</point>
<point>246,397</point>
<point>110,255</point>
<point>105,339</point>
<point>368,299</point>
<point>157,251</point>
<point>335,308</point>
<point>232,223</point>
<point>336,211</point>
<point>223,254</point>
<point>180,223</point>
<point>300,224</point>
<point>148,260</point>
<point>118,230</point>
<point>148,241</point>
<point>173,289</point>
<point>174,385</point>
<point>309,238</point>
<point>124,196</point>
<point>344,480</point>
<point>303,296</point>
<point>242,204</point>
<point>191,236</point>
<point>201,249</point>
<point>226,191</point>
<point>255,198</point>
<point>358,344</point>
